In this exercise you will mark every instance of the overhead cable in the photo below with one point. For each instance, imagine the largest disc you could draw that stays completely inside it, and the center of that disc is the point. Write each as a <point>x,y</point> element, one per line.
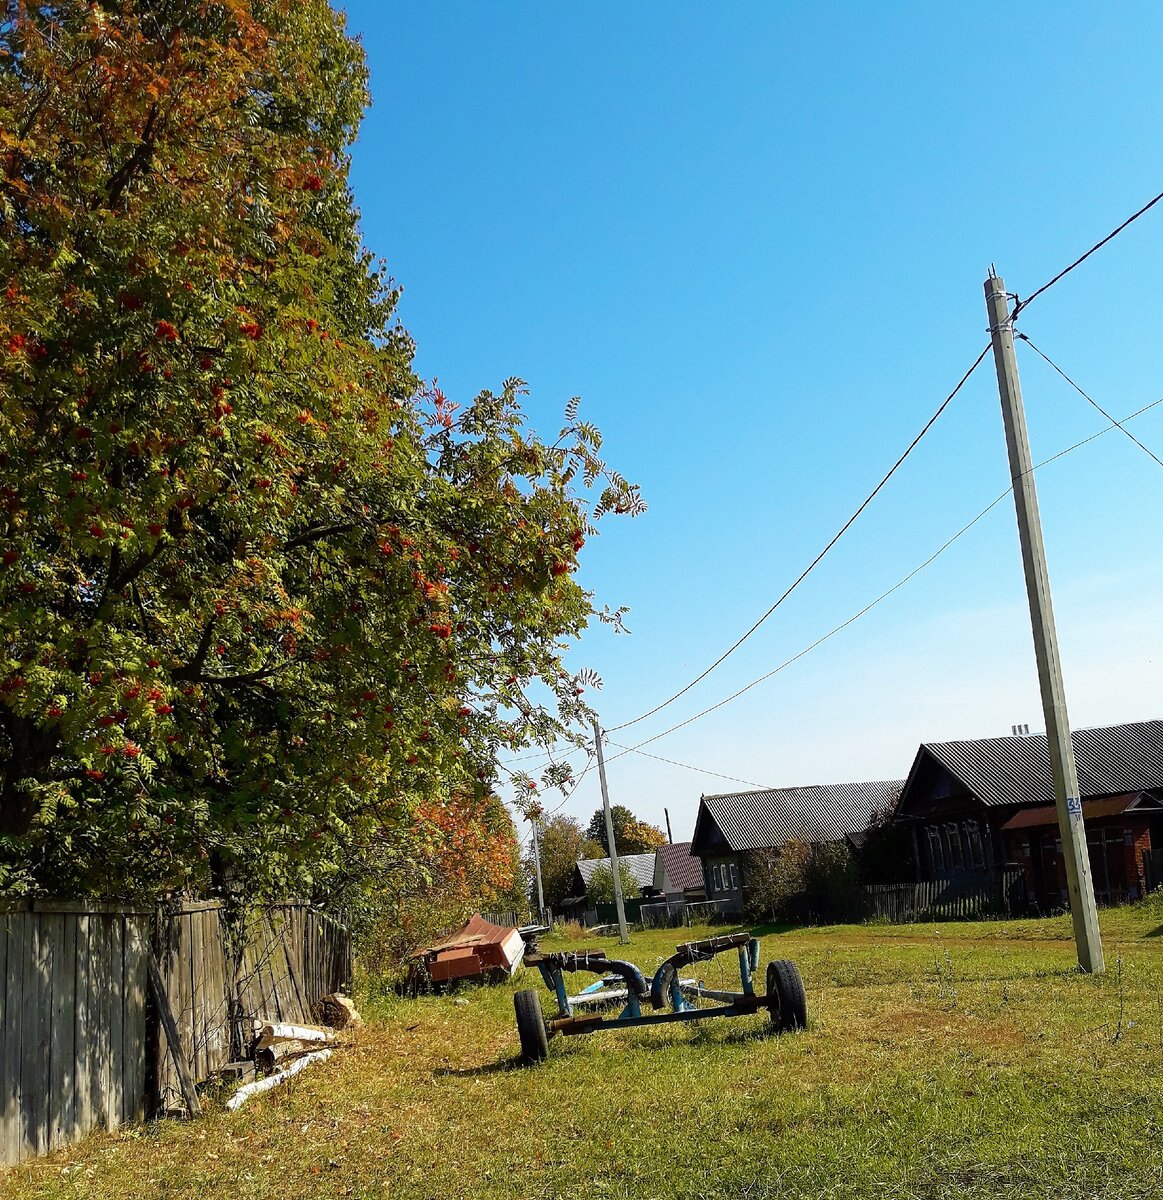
<point>819,557</point>
<point>884,595</point>
<point>686,766</point>
<point>1091,401</point>
<point>1021,304</point>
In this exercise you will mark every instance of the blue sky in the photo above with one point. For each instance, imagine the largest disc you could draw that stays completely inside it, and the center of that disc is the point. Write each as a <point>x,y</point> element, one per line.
<point>752,237</point>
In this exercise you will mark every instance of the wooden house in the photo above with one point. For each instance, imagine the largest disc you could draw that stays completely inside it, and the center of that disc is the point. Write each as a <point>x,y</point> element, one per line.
<point>729,826</point>
<point>640,866</point>
<point>976,805</point>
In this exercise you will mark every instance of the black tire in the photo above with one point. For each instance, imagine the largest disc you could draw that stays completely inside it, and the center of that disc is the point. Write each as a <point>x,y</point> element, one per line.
<point>785,996</point>
<point>531,1027</point>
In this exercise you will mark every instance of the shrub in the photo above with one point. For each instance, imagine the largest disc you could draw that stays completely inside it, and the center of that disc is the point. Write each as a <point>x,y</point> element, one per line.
<point>601,888</point>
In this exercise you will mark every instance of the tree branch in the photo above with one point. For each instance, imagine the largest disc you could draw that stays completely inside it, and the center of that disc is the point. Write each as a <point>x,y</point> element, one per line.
<point>137,161</point>
<point>317,535</point>
<point>192,671</point>
<point>247,676</point>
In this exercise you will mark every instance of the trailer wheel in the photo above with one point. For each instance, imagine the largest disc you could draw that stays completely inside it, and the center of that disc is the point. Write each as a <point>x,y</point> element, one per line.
<point>785,996</point>
<point>531,1027</point>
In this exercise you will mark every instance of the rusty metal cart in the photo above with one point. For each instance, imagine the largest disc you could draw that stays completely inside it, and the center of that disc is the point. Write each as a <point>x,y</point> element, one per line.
<point>671,998</point>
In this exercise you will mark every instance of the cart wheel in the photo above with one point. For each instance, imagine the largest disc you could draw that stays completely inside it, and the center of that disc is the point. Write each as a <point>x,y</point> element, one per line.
<point>785,996</point>
<point>531,1027</point>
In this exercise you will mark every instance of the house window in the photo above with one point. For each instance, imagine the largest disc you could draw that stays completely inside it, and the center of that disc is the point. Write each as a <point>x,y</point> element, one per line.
<point>976,850</point>
<point>734,878</point>
<point>936,853</point>
<point>953,836</point>
<point>987,839</point>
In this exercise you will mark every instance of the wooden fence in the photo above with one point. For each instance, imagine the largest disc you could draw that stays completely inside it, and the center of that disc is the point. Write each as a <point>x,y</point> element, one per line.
<point>81,1046</point>
<point>73,1019</point>
<point>664,914</point>
<point>527,917</point>
<point>994,894</point>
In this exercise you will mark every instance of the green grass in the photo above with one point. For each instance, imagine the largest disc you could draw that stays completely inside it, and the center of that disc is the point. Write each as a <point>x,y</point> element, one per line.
<point>952,1060</point>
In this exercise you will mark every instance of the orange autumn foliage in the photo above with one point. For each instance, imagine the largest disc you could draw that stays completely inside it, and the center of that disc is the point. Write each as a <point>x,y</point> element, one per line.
<point>468,860</point>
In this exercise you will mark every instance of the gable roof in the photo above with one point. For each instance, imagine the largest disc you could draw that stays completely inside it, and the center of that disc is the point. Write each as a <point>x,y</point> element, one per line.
<point>826,813</point>
<point>1016,770</point>
<point>678,868</point>
<point>640,866</point>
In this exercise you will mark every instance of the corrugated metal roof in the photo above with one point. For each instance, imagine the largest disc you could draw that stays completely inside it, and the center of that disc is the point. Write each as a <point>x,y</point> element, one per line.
<point>640,866</point>
<point>758,820</point>
<point>1016,770</point>
<point>679,869</point>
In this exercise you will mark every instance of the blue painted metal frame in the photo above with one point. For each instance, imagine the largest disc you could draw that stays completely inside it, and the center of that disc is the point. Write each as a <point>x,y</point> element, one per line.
<point>665,981</point>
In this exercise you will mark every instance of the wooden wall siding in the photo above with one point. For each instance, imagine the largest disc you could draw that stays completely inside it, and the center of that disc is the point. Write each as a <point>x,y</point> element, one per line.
<point>72,1014</point>
<point>76,1036</point>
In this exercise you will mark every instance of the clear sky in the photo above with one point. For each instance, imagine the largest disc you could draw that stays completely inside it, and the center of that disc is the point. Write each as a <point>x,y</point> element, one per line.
<point>752,237</point>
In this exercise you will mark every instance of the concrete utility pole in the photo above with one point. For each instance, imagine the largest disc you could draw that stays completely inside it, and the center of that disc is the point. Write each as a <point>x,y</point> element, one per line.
<point>1083,912</point>
<point>537,868</point>
<point>623,937</point>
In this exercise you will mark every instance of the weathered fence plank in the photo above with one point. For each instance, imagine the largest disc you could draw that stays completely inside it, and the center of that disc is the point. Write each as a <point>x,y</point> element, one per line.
<point>63,1053</point>
<point>10,1047</point>
<point>133,1030</point>
<point>28,1018</point>
<point>6,1116</point>
<point>97,1035</point>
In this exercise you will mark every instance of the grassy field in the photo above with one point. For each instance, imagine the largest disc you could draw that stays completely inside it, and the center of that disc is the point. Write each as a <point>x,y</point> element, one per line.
<point>951,1060</point>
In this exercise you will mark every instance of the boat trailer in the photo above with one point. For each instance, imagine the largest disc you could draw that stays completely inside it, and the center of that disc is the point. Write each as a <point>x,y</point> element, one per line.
<point>670,997</point>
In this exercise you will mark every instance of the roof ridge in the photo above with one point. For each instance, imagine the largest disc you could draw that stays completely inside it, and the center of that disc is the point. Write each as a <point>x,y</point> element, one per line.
<point>808,787</point>
<point>1041,736</point>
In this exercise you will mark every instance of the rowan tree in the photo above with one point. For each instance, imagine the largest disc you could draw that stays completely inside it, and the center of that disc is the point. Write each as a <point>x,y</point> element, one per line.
<point>262,591</point>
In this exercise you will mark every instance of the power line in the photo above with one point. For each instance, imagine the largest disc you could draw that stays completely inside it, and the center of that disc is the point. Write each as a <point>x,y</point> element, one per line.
<point>543,753</point>
<point>686,766</point>
<point>819,557</point>
<point>1100,433</point>
<point>830,634</point>
<point>1021,304</point>
<point>1090,400</point>
<point>884,595</point>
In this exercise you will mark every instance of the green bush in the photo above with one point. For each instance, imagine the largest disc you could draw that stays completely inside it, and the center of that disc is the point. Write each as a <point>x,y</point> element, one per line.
<point>601,888</point>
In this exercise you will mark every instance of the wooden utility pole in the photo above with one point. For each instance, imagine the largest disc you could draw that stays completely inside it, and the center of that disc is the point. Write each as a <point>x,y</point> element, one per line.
<point>1083,911</point>
<point>669,835</point>
<point>623,937</point>
<point>537,868</point>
